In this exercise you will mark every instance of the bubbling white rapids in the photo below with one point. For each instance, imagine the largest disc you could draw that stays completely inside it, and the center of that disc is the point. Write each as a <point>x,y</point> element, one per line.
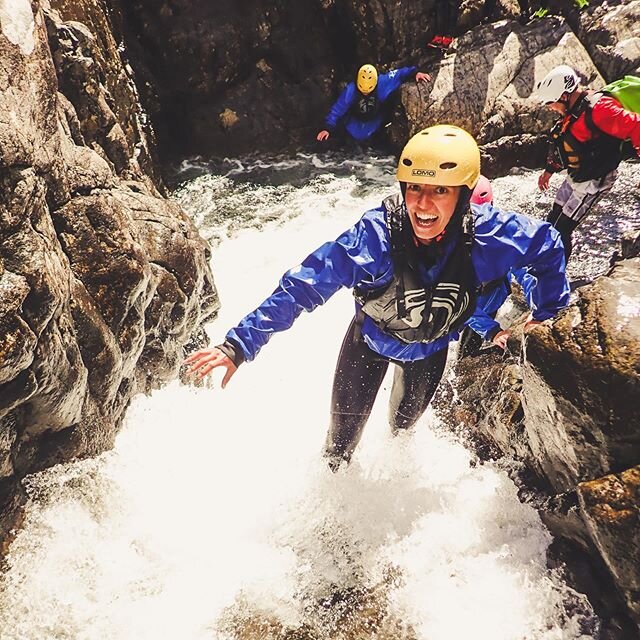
<point>214,516</point>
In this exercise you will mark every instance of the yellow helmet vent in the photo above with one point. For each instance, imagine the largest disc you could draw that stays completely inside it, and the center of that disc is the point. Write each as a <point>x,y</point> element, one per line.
<point>367,79</point>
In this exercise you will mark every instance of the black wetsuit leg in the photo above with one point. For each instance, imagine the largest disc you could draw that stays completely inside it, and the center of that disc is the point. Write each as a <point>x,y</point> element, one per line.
<point>357,379</point>
<point>565,226</point>
<point>414,384</point>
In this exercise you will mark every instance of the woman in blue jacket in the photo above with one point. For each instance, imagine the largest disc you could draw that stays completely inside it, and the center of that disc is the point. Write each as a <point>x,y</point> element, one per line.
<point>418,265</point>
<point>362,107</point>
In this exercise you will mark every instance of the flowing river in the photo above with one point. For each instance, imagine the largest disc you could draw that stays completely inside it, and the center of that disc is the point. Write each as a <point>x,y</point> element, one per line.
<point>214,516</point>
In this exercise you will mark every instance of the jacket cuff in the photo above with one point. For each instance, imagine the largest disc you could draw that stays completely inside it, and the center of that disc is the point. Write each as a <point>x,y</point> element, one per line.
<point>232,351</point>
<point>541,315</point>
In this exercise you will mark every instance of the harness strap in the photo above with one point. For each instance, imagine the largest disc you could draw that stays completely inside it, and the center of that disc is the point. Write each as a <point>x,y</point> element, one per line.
<point>395,218</point>
<point>405,269</point>
<point>587,159</point>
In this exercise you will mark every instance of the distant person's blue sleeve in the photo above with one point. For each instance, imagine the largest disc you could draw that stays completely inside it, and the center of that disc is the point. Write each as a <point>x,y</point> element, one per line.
<point>340,107</point>
<point>390,82</point>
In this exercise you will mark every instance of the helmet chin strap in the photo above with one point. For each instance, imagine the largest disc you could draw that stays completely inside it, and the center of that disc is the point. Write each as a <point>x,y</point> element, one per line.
<point>464,199</point>
<point>567,101</point>
<point>462,206</point>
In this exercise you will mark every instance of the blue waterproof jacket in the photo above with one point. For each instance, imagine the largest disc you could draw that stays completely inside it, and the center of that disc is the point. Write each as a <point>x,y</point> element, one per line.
<point>361,257</point>
<point>360,129</point>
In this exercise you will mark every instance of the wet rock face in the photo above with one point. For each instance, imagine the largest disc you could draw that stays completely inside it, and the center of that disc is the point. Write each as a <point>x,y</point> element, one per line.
<point>102,281</point>
<point>612,38</point>
<point>563,406</point>
<point>104,114</point>
<point>611,510</point>
<point>359,610</point>
<point>226,79</point>
<point>582,424</point>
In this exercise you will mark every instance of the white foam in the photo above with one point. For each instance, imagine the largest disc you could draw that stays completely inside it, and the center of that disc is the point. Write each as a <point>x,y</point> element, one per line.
<point>214,497</point>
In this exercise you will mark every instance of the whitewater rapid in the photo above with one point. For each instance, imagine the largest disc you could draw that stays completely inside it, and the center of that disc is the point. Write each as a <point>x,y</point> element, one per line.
<point>214,516</point>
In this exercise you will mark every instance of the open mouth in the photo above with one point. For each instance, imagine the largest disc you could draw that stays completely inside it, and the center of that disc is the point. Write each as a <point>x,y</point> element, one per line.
<point>425,220</point>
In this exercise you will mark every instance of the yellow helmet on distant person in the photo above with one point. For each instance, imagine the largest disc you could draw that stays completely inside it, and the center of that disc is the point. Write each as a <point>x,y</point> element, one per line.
<point>367,79</point>
<point>443,154</point>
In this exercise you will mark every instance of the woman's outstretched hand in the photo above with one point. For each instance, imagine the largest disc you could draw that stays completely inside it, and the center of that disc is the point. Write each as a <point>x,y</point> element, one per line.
<point>500,339</point>
<point>204,361</point>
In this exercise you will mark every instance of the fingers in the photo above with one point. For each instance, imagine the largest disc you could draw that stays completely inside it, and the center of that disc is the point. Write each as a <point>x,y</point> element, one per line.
<point>204,369</point>
<point>530,324</point>
<point>543,181</point>
<point>209,358</point>
<point>205,361</point>
<point>227,376</point>
<point>501,338</point>
<point>195,356</point>
<point>203,366</point>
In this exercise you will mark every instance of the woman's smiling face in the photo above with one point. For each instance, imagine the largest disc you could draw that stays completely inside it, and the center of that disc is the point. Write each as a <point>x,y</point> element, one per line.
<point>430,208</point>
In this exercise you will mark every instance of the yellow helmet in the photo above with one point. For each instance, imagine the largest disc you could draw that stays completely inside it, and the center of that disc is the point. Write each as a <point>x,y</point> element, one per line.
<point>367,79</point>
<point>444,155</point>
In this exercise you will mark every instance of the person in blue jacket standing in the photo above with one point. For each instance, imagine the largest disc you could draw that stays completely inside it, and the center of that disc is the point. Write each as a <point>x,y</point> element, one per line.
<point>417,265</point>
<point>363,106</point>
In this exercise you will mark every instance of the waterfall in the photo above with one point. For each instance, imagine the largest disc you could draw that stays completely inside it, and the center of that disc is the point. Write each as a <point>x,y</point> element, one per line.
<point>215,517</point>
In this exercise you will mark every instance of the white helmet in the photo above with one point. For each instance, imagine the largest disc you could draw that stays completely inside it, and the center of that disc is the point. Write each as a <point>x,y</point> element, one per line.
<point>555,83</point>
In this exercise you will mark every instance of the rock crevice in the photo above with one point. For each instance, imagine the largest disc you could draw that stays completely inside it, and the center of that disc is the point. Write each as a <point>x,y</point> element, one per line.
<point>102,280</point>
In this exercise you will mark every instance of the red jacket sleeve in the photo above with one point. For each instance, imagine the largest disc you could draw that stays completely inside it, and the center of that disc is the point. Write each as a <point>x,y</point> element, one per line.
<point>609,116</point>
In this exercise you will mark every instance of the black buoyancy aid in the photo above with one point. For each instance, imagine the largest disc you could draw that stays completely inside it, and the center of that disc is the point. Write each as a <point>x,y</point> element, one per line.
<point>593,158</point>
<point>406,308</point>
<point>366,108</point>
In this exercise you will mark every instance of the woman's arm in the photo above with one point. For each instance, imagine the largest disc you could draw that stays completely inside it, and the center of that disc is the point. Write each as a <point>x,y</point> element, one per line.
<point>509,241</point>
<point>358,255</point>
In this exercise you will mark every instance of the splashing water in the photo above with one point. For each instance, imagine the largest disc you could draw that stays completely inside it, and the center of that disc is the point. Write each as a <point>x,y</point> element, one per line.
<point>214,516</point>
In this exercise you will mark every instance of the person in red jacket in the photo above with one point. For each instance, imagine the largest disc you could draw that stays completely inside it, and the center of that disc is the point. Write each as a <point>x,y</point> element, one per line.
<point>587,142</point>
<point>446,23</point>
